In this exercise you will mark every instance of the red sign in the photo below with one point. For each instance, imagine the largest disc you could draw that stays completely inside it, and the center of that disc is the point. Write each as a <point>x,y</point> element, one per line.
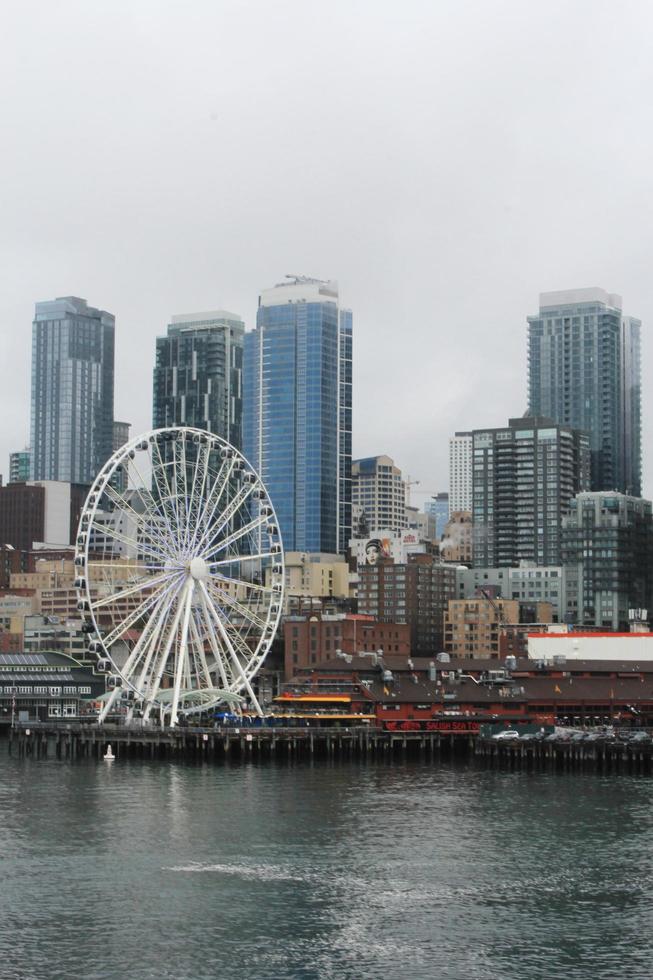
<point>447,726</point>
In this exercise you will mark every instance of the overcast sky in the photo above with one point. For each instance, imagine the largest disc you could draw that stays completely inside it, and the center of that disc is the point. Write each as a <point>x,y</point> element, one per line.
<point>444,161</point>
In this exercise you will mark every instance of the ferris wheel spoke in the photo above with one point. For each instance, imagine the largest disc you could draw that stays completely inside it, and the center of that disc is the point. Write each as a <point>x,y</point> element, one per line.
<point>141,520</point>
<point>182,653</point>
<point>200,653</point>
<point>110,532</point>
<point>256,586</point>
<point>149,649</point>
<point>139,586</point>
<point>232,653</point>
<point>136,614</point>
<point>220,659</point>
<point>216,527</point>
<point>241,559</point>
<point>164,653</point>
<point>196,492</point>
<point>233,538</point>
<point>164,492</point>
<point>224,598</point>
<point>215,495</point>
<point>154,506</point>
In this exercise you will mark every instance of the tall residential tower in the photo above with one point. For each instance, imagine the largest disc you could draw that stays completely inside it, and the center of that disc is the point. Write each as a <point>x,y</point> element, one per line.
<point>198,374</point>
<point>584,371</point>
<point>297,411</point>
<point>72,390</point>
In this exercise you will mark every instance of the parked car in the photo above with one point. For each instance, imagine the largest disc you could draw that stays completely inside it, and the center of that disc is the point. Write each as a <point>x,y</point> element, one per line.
<point>506,735</point>
<point>640,738</point>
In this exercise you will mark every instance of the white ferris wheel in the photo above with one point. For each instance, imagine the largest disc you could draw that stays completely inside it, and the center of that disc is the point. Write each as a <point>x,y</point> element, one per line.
<point>179,575</point>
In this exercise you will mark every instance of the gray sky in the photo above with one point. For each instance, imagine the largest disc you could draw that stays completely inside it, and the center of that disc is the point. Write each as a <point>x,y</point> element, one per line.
<point>444,161</point>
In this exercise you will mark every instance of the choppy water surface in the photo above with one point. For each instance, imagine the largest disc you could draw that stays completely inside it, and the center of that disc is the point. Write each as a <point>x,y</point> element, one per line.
<point>137,870</point>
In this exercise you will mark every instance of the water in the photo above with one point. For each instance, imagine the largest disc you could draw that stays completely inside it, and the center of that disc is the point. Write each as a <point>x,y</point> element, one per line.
<point>336,872</point>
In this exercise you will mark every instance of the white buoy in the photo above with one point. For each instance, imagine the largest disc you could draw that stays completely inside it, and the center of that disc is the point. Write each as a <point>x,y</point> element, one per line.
<point>108,755</point>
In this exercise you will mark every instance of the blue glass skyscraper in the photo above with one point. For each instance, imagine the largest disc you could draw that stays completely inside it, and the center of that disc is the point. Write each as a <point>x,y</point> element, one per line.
<point>297,411</point>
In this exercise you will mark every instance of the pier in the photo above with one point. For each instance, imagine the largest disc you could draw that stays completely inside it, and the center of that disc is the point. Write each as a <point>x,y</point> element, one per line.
<point>192,745</point>
<point>76,741</point>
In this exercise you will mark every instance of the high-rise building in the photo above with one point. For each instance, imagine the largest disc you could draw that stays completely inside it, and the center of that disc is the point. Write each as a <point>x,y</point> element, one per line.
<point>584,371</point>
<point>608,539</point>
<point>120,434</point>
<point>456,540</point>
<point>379,492</point>
<point>524,476</point>
<point>297,411</point>
<point>415,592</point>
<point>72,390</point>
<point>19,466</point>
<point>438,508</point>
<point>198,374</point>
<point>460,472</point>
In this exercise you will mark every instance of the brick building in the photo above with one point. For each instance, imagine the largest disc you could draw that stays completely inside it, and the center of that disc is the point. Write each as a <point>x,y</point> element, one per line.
<point>313,639</point>
<point>415,592</point>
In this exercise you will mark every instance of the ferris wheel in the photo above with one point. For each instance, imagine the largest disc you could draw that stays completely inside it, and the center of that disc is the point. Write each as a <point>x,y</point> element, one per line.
<point>179,575</point>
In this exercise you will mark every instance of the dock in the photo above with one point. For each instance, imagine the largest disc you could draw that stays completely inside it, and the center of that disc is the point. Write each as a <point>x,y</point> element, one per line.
<point>78,741</point>
<point>193,745</point>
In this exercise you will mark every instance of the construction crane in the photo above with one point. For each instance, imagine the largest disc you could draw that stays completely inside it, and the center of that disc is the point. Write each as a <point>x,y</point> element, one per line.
<point>408,483</point>
<point>501,619</point>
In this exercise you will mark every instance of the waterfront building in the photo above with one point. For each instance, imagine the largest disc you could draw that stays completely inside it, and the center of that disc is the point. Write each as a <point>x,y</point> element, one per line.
<point>310,640</point>
<point>457,539</point>
<point>378,492</point>
<point>607,544</point>
<point>297,411</point>
<point>19,466</point>
<point>524,476</point>
<point>584,371</point>
<point>72,390</point>
<point>47,685</point>
<point>415,592</point>
<point>460,472</point>
<point>198,374</point>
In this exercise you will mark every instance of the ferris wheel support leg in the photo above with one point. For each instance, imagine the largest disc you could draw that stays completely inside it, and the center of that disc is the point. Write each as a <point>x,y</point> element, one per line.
<point>234,657</point>
<point>154,687</point>
<point>182,653</point>
<point>108,706</point>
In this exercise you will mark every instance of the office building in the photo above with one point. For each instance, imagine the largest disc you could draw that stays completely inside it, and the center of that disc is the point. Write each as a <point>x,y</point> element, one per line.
<point>19,466</point>
<point>524,476</point>
<point>460,472</point>
<point>72,390</point>
<point>198,374</point>
<point>415,592</point>
<point>584,371</point>
<point>608,539</point>
<point>297,411</point>
<point>438,508</point>
<point>527,584</point>
<point>379,493</point>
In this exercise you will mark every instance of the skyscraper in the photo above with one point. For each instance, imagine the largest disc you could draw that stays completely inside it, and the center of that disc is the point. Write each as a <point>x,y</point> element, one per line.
<point>524,477</point>
<point>198,374</point>
<point>379,491</point>
<point>297,411</point>
<point>584,371</point>
<point>460,472</point>
<point>72,390</point>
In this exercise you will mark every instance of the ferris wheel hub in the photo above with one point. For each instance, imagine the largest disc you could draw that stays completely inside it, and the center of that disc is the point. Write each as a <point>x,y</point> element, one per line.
<point>198,569</point>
